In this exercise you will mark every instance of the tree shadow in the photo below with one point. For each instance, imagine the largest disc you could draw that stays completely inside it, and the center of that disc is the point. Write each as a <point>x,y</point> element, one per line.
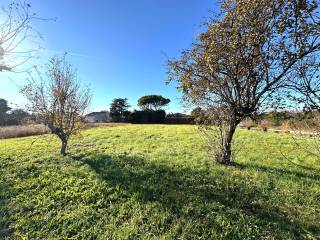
<point>300,172</point>
<point>177,187</point>
<point>6,192</point>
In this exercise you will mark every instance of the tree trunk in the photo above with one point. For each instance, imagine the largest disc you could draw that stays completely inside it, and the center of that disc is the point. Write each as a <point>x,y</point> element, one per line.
<point>64,144</point>
<point>226,151</point>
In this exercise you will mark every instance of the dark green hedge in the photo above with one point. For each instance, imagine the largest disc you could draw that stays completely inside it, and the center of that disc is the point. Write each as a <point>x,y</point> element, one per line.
<point>148,116</point>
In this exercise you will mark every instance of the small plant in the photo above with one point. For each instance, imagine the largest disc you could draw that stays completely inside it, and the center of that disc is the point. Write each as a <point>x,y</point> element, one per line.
<point>285,126</point>
<point>248,123</point>
<point>264,125</point>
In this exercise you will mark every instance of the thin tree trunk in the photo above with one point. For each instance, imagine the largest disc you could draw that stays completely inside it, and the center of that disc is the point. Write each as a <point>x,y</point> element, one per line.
<point>64,145</point>
<point>226,151</point>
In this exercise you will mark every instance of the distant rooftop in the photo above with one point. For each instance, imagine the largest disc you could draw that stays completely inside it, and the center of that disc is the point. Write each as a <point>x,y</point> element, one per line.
<point>96,113</point>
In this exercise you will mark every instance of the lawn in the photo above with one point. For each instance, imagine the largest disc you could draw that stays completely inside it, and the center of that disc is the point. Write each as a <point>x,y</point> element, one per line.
<point>157,182</point>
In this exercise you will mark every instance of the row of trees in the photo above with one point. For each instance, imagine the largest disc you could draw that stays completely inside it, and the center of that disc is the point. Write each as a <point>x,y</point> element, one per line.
<point>254,55</point>
<point>296,120</point>
<point>151,109</point>
<point>10,116</point>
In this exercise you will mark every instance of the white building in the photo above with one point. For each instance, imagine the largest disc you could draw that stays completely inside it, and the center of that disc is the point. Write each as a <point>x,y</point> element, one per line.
<point>98,117</point>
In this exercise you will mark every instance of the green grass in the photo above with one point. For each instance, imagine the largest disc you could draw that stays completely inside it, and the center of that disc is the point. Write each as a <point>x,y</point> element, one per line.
<point>157,182</point>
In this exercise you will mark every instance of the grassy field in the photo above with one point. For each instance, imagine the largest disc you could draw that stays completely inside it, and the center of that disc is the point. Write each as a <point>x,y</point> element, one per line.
<point>157,182</point>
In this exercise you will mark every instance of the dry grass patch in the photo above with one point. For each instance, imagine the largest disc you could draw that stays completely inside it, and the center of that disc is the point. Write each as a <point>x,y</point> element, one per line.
<point>22,131</point>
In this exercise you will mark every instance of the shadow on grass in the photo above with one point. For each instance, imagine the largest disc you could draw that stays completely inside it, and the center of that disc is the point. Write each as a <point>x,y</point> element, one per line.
<point>175,188</point>
<point>300,172</point>
<point>6,190</point>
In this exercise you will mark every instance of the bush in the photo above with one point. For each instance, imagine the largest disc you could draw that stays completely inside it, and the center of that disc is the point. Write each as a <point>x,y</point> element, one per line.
<point>179,118</point>
<point>265,125</point>
<point>247,123</point>
<point>172,120</point>
<point>148,116</point>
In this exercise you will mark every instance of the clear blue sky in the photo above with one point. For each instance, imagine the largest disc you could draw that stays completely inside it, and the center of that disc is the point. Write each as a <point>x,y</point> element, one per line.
<point>118,46</point>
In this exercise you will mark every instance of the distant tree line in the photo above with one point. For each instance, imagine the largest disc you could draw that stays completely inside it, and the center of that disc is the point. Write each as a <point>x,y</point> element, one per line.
<point>9,116</point>
<point>278,119</point>
<point>151,110</point>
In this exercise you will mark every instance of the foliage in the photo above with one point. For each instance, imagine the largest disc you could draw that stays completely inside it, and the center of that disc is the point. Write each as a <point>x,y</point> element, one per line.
<point>119,110</point>
<point>59,102</point>
<point>156,182</point>
<point>196,112</point>
<point>17,116</point>
<point>244,59</point>
<point>179,118</point>
<point>248,123</point>
<point>14,117</point>
<point>153,102</point>
<point>178,115</point>
<point>276,118</point>
<point>199,114</point>
<point>4,108</point>
<point>148,116</point>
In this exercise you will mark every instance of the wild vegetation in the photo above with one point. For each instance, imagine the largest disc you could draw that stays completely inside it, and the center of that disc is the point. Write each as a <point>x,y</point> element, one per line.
<point>22,131</point>
<point>157,182</point>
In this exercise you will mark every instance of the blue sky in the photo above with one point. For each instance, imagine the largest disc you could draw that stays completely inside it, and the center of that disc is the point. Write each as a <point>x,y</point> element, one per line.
<point>118,46</point>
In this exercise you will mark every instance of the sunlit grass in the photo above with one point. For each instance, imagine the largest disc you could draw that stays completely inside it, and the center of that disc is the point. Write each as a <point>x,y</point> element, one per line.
<point>157,182</point>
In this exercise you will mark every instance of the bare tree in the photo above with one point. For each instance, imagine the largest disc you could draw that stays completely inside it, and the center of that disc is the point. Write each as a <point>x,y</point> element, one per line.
<point>15,32</point>
<point>241,63</point>
<point>59,102</point>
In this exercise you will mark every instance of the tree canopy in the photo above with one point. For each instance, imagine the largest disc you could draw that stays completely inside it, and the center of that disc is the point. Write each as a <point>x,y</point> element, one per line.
<point>119,109</point>
<point>153,102</point>
<point>4,108</point>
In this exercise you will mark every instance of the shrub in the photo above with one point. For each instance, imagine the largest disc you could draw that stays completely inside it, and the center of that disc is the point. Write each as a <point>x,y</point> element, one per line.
<point>247,123</point>
<point>179,118</point>
<point>185,120</point>
<point>264,125</point>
